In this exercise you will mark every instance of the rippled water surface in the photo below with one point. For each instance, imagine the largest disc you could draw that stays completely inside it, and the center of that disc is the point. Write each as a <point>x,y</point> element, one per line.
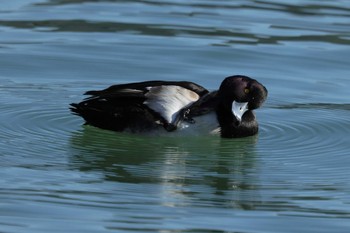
<point>60,176</point>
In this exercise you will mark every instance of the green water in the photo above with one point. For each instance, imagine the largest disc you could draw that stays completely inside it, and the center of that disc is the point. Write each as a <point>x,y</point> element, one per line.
<point>60,176</point>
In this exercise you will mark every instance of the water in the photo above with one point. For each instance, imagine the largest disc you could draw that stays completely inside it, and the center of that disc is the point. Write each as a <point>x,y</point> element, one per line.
<point>60,176</point>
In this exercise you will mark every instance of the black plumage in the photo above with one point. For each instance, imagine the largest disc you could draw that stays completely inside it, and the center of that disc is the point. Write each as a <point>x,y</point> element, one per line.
<point>152,105</point>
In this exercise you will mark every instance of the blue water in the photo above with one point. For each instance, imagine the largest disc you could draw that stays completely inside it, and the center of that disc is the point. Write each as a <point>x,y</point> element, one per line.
<point>60,176</point>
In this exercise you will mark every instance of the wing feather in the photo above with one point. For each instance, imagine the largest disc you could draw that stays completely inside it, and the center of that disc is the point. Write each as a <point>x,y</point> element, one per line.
<point>165,98</point>
<point>168,100</point>
<point>143,86</point>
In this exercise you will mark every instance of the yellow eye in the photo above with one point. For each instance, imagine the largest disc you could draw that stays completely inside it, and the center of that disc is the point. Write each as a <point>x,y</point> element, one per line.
<point>246,90</point>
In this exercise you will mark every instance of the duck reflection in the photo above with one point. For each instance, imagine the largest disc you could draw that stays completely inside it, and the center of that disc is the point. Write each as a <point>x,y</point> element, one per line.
<point>185,170</point>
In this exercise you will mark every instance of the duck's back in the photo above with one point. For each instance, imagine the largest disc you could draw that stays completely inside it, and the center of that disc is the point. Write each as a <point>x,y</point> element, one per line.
<point>138,107</point>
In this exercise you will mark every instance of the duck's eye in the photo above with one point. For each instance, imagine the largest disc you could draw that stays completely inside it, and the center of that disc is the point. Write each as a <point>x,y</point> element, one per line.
<point>246,90</point>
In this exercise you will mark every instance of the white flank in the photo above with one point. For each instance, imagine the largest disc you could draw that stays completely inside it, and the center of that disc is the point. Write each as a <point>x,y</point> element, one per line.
<point>169,100</point>
<point>204,125</point>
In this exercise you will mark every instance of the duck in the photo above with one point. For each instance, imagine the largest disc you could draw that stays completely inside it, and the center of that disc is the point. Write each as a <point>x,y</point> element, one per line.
<point>176,106</point>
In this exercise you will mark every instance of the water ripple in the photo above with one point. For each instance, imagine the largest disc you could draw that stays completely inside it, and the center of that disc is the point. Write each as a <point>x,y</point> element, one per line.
<point>307,129</point>
<point>36,122</point>
<point>34,115</point>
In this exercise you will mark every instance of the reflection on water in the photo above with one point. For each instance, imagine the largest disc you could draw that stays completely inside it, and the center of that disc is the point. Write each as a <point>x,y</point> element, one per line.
<point>183,166</point>
<point>281,22</point>
<point>330,106</point>
<point>170,31</point>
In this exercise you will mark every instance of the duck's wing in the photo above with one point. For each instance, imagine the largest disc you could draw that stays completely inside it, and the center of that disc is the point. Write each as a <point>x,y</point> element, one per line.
<point>143,87</point>
<point>206,104</point>
<point>165,99</point>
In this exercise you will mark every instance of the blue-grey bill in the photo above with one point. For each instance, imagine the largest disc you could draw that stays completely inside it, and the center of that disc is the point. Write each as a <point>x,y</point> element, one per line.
<point>239,109</point>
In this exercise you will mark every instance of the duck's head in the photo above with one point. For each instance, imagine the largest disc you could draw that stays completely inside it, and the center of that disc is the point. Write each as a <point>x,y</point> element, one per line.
<point>242,94</point>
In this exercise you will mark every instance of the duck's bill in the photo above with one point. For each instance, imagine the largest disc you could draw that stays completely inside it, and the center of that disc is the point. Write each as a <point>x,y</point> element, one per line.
<point>239,109</point>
